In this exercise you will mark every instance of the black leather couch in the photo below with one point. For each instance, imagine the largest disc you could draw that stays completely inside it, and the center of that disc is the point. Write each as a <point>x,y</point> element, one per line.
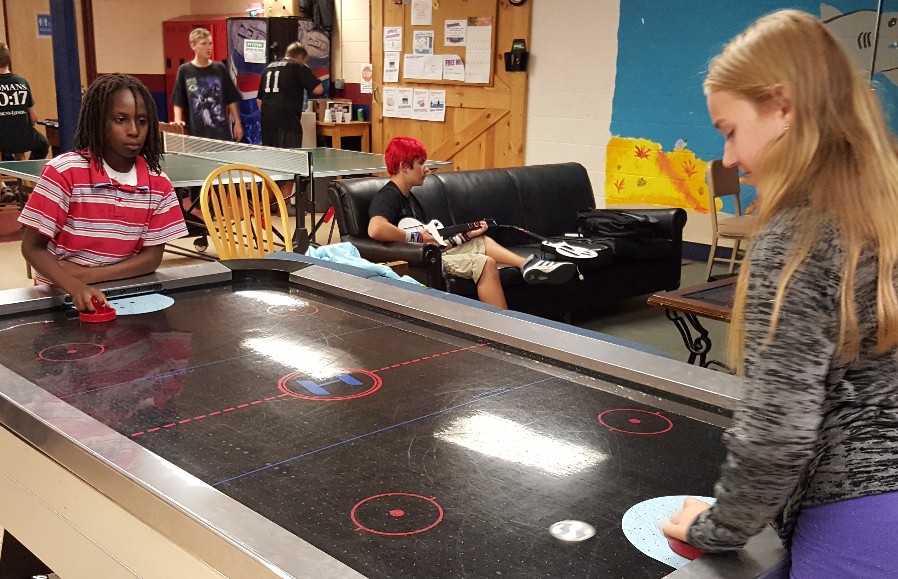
<point>544,199</point>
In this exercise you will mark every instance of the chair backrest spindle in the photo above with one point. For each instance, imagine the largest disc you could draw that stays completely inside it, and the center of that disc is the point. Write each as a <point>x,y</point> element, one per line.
<point>236,203</point>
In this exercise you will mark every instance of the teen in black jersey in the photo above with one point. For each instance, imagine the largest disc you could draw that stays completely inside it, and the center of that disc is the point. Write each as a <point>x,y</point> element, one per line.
<point>281,100</point>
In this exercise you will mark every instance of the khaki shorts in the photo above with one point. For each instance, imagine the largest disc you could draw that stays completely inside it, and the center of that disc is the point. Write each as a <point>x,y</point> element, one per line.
<point>467,260</point>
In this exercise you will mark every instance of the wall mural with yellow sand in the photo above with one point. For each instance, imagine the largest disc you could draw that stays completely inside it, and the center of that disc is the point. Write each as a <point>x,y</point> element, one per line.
<point>663,138</point>
<point>640,171</point>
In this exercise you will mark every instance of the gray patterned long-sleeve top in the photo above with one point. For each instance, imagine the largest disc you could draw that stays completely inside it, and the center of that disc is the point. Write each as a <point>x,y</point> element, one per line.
<point>808,430</point>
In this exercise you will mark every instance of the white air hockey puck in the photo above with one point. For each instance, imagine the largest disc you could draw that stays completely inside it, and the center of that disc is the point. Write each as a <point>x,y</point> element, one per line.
<point>572,531</point>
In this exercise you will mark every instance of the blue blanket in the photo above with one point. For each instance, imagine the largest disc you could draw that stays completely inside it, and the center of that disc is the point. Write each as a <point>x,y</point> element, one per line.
<point>347,254</point>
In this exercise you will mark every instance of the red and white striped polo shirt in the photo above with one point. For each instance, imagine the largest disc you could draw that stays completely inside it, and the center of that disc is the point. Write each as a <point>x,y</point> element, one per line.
<point>93,220</point>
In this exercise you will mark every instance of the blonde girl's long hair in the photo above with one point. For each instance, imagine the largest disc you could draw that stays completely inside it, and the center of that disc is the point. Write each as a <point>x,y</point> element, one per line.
<point>837,161</point>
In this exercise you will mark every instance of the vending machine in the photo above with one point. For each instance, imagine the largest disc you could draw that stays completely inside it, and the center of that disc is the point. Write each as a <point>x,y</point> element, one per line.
<point>254,42</point>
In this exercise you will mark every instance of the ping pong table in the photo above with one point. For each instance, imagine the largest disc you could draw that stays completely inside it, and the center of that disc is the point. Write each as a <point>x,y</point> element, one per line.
<point>186,170</point>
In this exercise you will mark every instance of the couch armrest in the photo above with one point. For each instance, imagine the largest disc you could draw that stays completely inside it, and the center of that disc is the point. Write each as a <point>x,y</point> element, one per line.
<point>670,220</point>
<point>424,261</point>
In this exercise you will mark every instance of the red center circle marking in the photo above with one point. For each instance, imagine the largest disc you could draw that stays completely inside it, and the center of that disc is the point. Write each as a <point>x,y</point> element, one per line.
<point>397,512</point>
<point>375,386</point>
<point>68,352</point>
<point>361,527</point>
<point>667,422</point>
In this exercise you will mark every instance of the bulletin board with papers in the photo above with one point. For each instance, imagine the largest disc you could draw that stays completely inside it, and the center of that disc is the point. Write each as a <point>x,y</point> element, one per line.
<point>476,113</point>
<point>444,42</point>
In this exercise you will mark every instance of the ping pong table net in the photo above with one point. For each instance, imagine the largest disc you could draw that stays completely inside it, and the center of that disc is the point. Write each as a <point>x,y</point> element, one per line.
<point>296,162</point>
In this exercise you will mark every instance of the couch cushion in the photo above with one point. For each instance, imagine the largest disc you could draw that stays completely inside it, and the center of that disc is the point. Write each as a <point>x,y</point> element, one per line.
<point>482,194</point>
<point>432,196</point>
<point>655,248</point>
<point>551,195</point>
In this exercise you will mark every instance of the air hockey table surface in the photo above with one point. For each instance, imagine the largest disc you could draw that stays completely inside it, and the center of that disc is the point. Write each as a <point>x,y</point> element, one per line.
<point>281,419</point>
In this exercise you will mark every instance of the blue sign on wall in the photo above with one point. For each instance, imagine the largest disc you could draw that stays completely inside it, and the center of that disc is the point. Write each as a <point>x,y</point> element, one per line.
<point>44,26</point>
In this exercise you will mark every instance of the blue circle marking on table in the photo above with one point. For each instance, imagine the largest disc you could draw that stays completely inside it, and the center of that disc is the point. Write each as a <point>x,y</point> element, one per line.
<point>145,304</point>
<point>642,526</point>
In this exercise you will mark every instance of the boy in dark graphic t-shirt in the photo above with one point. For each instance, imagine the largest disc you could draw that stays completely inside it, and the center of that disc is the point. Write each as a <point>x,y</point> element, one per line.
<point>204,94</point>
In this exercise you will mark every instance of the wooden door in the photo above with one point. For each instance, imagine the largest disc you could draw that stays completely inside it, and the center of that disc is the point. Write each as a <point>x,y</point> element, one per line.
<point>485,125</point>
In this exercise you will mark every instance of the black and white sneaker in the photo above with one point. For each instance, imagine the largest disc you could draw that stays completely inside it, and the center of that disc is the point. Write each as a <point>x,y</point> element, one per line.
<point>541,271</point>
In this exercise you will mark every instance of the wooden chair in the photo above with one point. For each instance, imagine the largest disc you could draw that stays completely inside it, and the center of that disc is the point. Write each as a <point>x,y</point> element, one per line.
<point>236,201</point>
<point>724,182</point>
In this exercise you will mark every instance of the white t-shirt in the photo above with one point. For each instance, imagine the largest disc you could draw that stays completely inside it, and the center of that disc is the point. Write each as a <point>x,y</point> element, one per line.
<point>129,178</point>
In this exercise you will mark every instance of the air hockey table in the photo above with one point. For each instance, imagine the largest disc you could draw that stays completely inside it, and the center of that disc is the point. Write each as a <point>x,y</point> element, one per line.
<point>282,419</point>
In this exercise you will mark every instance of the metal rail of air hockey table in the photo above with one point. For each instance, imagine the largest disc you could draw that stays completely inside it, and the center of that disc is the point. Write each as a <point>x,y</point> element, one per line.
<point>282,419</point>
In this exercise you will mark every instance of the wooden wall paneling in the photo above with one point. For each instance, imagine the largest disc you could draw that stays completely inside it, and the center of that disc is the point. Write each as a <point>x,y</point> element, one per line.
<point>469,132</point>
<point>485,126</point>
<point>511,131</point>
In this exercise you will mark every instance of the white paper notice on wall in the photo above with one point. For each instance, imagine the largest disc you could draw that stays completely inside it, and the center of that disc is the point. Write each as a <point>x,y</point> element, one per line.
<point>404,103</point>
<point>437,106</point>
<point>421,104</point>
<point>414,103</point>
<point>480,33</point>
<point>477,68</point>
<point>254,51</point>
<point>433,67</point>
<point>453,67</point>
<point>422,66</point>
<point>454,32</point>
<point>422,12</point>
<point>367,75</point>
<point>412,66</point>
<point>392,39</point>
<point>391,100</point>
<point>478,54</point>
<point>423,41</point>
<point>391,67</point>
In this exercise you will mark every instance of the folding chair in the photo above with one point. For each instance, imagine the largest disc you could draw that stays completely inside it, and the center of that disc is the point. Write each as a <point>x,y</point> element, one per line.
<point>724,182</point>
<point>236,202</point>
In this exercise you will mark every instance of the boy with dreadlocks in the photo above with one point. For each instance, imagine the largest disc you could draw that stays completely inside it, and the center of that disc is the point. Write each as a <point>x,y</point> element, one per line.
<point>105,210</point>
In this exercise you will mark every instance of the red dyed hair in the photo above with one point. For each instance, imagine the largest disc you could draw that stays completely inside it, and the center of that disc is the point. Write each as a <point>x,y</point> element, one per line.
<point>402,152</point>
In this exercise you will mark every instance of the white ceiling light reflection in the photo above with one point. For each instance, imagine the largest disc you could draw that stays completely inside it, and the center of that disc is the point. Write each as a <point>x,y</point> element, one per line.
<point>272,298</point>
<point>502,438</point>
<point>291,354</point>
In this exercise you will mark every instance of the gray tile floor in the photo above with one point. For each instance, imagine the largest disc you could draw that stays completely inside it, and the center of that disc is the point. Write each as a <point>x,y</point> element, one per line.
<point>634,320</point>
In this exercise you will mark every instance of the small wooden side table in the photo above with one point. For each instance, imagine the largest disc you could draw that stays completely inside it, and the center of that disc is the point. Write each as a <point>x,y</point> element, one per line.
<point>337,131</point>
<point>398,267</point>
<point>712,300</point>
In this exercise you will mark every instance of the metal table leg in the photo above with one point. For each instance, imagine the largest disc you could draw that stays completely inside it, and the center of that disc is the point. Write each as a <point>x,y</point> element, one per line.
<point>698,346</point>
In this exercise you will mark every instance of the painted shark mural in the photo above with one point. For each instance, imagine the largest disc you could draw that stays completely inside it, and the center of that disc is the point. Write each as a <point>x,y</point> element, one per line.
<point>857,31</point>
<point>662,138</point>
